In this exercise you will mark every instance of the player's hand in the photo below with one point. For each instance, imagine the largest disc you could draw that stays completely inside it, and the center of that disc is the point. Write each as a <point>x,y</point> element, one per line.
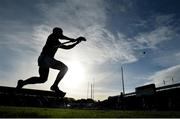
<point>81,38</point>
<point>73,40</point>
<point>78,41</point>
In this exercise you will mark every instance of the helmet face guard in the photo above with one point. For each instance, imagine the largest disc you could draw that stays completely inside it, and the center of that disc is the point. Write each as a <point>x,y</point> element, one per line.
<point>57,30</point>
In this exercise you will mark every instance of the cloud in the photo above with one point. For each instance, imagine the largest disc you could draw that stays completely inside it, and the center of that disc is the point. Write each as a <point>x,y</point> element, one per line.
<point>74,16</point>
<point>18,51</point>
<point>166,75</point>
<point>153,38</point>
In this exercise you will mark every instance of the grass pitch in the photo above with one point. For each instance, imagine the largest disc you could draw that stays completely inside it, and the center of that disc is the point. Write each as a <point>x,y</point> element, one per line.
<point>31,112</point>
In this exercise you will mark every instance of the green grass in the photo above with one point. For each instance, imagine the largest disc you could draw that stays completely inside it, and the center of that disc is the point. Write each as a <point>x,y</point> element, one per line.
<point>79,113</point>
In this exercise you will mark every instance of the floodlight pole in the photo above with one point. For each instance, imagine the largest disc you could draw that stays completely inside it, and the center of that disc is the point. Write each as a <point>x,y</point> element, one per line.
<point>122,79</point>
<point>91,91</point>
<point>93,87</point>
<point>88,91</point>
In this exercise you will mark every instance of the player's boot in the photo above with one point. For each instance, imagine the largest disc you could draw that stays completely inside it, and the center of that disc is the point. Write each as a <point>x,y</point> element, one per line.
<point>19,84</point>
<point>56,90</point>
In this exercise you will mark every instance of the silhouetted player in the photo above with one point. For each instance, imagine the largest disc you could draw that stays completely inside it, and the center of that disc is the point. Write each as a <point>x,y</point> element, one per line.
<point>46,60</point>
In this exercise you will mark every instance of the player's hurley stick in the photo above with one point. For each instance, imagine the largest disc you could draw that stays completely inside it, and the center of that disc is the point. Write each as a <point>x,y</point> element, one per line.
<point>80,38</point>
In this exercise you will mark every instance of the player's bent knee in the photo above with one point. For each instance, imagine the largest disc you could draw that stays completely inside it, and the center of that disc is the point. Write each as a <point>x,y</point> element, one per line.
<point>65,68</point>
<point>43,80</point>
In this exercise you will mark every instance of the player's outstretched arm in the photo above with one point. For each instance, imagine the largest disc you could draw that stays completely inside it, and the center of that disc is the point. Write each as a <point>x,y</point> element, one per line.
<point>67,38</point>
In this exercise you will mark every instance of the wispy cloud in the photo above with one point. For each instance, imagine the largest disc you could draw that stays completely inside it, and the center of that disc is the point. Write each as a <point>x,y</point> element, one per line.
<point>166,75</point>
<point>153,38</point>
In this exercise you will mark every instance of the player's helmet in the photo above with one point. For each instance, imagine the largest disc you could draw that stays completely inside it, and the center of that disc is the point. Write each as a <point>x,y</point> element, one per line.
<point>57,30</point>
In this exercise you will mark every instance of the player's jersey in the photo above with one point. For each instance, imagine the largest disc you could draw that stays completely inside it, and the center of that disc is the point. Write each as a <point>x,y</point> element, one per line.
<point>50,47</point>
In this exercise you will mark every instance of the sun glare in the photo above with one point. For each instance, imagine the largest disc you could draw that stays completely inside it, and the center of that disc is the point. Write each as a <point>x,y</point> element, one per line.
<point>75,75</point>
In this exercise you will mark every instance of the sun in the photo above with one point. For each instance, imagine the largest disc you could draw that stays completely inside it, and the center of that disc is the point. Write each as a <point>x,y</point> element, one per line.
<point>75,75</point>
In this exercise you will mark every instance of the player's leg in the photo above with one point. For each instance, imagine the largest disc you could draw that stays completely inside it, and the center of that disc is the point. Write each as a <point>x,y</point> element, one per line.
<point>63,69</point>
<point>43,72</point>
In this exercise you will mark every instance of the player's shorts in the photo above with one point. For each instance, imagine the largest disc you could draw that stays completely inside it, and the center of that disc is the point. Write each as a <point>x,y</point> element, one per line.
<point>48,62</point>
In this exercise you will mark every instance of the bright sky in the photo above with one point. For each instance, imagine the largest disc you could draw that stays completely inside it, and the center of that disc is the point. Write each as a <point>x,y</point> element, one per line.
<point>118,32</point>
